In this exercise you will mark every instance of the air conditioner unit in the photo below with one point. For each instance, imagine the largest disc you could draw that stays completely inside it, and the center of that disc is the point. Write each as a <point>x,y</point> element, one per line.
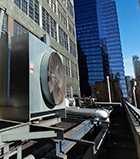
<point>37,80</point>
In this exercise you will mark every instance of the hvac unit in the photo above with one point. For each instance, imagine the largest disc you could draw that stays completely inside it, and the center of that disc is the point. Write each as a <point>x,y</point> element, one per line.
<point>37,82</point>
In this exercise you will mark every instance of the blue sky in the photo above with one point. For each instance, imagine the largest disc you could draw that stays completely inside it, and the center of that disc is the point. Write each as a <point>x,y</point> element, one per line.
<point>129,22</point>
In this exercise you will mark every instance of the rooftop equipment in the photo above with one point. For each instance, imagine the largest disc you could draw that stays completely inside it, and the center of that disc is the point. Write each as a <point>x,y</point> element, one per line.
<point>37,82</point>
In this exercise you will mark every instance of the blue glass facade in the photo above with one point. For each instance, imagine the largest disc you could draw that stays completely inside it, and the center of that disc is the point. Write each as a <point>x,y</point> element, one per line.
<point>99,39</point>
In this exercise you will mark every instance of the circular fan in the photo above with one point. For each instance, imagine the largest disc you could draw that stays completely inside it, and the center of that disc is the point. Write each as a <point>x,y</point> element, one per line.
<point>52,80</point>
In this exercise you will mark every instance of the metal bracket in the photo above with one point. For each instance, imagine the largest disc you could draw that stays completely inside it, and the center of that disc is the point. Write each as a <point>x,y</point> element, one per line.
<point>81,141</point>
<point>74,135</point>
<point>100,138</point>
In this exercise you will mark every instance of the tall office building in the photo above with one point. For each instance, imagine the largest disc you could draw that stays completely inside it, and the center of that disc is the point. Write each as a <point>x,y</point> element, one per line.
<point>129,86</point>
<point>136,63</point>
<point>53,20</point>
<point>99,40</point>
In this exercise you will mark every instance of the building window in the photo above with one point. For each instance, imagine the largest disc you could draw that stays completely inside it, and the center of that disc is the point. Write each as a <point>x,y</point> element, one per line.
<point>70,8</point>
<point>53,5</point>
<point>19,29</point>
<point>45,20</point>
<point>29,7</point>
<point>72,48</point>
<point>36,11</point>
<point>18,3</point>
<point>53,28</point>
<point>63,38</point>
<point>25,6</point>
<point>62,15</point>
<point>74,72</point>
<point>66,64</point>
<point>71,27</point>
<point>49,24</point>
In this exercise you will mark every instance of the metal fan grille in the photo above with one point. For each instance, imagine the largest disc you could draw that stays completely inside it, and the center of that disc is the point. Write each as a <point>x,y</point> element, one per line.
<point>56,78</point>
<point>53,80</point>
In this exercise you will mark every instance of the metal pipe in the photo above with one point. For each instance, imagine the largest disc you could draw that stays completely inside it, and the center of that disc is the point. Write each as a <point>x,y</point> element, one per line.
<point>109,89</point>
<point>108,103</point>
<point>134,93</point>
<point>89,113</point>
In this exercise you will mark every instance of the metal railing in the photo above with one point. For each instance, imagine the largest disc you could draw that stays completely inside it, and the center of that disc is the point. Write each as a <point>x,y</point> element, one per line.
<point>134,110</point>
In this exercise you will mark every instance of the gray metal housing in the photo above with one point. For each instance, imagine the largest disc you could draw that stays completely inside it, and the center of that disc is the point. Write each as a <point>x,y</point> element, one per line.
<point>26,100</point>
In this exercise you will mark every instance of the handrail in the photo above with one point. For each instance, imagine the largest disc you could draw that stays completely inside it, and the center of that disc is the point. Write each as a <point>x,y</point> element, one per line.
<point>134,110</point>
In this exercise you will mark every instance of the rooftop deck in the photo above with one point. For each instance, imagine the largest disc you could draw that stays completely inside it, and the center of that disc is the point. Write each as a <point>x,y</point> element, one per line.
<point>119,143</point>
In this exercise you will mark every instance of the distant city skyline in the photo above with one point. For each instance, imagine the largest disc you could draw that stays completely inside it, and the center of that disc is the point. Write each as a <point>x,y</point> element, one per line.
<point>129,23</point>
<point>136,65</point>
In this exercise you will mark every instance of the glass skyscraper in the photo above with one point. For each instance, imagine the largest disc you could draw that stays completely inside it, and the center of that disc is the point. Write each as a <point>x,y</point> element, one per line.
<point>99,39</point>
